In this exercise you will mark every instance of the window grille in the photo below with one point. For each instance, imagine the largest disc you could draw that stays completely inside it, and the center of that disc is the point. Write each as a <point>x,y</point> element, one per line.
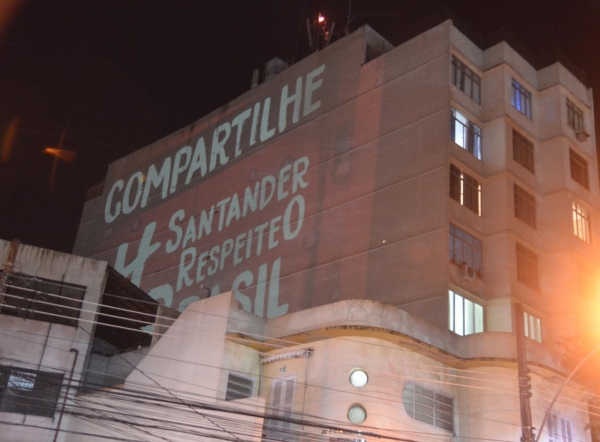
<point>581,223</point>
<point>527,267</point>
<point>428,406</point>
<point>574,116</point>
<point>29,391</point>
<point>465,249</point>
<point>238,387</point>
<point>525,206</point>
<point>579,169</point>
<point>465,189</point>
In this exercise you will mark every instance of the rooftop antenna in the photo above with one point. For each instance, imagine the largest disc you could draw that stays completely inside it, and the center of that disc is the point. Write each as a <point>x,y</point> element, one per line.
<point>319,33</point>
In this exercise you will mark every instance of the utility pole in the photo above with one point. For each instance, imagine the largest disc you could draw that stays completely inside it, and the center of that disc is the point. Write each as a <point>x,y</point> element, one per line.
<point>523,375</point>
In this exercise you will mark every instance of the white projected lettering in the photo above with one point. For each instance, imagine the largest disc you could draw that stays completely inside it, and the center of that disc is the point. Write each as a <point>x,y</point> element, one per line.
<point>214,150</point>
<point>197,262</point>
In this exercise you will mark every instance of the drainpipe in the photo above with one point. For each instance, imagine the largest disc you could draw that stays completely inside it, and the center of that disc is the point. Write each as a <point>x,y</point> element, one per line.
<point>8,267</point>
<point>62,409</point>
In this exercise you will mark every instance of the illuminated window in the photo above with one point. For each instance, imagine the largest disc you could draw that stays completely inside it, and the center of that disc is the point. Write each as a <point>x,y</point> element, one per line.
<point>466,134</point>
<point>574,116</point>
<point>465,317</point>
<point>465,189</point>
<point>428,406</point>
<point>533,327</point>
<point>559,428</point>
<point>525,206</point>
<point>521,98</point>
<point>466,80</point>
<point>581,223</point>
<point>579,169</point>
<point>523,151</point>
<point>527,267</point>
<point>465,249</point>
<point>29,391</point>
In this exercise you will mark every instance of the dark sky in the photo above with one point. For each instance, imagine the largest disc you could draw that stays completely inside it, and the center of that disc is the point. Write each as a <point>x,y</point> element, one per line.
<point>120,74</point>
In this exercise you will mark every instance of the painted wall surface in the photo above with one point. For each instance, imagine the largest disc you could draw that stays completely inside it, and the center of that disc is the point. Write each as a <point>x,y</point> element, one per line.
<point>322,184</point>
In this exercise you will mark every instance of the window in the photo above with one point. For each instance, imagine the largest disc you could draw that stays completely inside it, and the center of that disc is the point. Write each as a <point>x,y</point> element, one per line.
<point>521,98</point>
<point>466,80</point>
<point>527,267</point>
<point>574,116</point>
<point>559,428</point>
<point>579,169</point>
<point>428,406</point>
<point>42,299</point>
<point>533,327</point>
<point>464,317</point>
<point>581,223</point>
<point>465,134</point>
<point>465,249</point>
<point>238,387</point>
<point>29,391</point>
<point>525,206</point>
<point>465,189</point>
<point>523,151</point>
<point>281,406</point>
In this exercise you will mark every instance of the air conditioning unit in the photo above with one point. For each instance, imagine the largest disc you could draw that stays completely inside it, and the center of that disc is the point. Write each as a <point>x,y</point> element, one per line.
<point>467,274</point>
<point>581,136</point>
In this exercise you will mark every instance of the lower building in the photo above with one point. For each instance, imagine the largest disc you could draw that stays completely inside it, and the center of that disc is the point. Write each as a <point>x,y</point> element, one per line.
<point>347,371</point>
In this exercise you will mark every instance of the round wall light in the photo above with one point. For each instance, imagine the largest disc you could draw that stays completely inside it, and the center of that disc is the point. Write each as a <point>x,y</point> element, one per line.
<point>358,377</point>
<point>357,414</point>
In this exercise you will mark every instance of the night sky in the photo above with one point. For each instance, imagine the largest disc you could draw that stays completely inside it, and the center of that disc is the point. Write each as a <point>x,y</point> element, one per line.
<point>117,75</point>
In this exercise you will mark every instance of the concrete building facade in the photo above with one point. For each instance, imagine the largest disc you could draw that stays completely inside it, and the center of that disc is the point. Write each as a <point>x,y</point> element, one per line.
<point>374,211</point>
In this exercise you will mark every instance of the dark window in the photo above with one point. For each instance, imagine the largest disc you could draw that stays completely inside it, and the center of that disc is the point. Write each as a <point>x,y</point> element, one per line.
<point>428,406</point>
<point>579,169</point>
<point>523,151</point>
<point>465,249</point>
<point>464,133</point>
<point>238,387</point>
<point>466,80</point>
<point>28,391</point>
<point>42,299</point>
<point>465,189</point>
<point>574,116</point>
<point>527,267</point>
<point>525,206</point>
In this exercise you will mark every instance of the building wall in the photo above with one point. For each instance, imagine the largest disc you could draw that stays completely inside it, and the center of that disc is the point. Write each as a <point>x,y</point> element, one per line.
<point>38,345</point>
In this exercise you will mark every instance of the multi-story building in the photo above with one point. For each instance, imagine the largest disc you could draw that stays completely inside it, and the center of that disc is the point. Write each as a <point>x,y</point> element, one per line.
<point>403,199</point>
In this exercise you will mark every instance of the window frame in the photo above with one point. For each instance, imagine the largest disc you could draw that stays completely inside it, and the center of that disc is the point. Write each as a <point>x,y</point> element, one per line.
<point>35,399</point>
<point>468,326</point>
<point>281,407</point>
<point>524,206</point>
<point>523,151</point>
<point>582,223</point>
<point>465,78</point>
<point>471,249</point>
<point>471,133</point>
<point>520,98</point>
<point>559,433</point>
<point>579,168</point>
<point>532,327</point>
<point>465,189</point>
<point>575,117</point>
<point>527,266</point>
<point>441,406</point>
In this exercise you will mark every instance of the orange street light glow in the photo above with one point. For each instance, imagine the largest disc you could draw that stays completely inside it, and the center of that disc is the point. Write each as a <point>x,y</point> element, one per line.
<point>67,155</point>
<point>321,18</point>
